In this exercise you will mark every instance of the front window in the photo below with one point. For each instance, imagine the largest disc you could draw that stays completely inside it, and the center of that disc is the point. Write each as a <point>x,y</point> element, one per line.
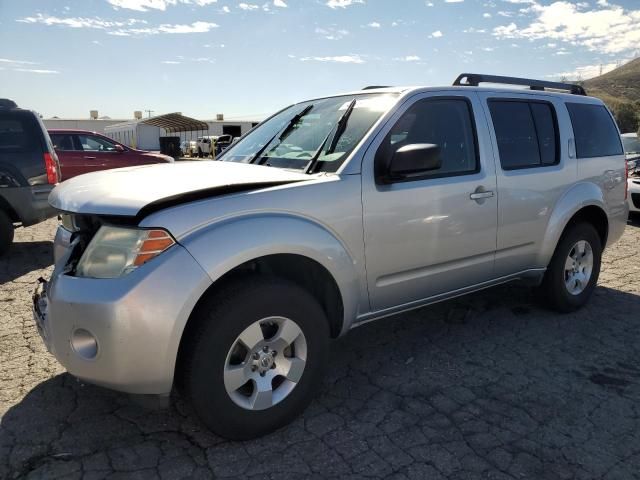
<point>96,144</point>
<point>320,132</point>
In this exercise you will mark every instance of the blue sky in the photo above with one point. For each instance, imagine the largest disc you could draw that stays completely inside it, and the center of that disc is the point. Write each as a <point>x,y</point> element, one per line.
<point>251,57</point>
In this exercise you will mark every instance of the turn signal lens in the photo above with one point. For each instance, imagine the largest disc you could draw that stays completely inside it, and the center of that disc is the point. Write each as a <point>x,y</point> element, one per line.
<point>116,251</point>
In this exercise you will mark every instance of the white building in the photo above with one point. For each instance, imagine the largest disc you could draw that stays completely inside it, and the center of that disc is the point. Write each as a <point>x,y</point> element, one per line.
<point>97,125</point>
<point>145,134</point>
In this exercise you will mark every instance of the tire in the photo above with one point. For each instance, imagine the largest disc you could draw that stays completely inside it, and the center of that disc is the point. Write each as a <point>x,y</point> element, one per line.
<point>199,153</point>
<point>220,320</point>
<point>558,282</point>
<point>6,232</point>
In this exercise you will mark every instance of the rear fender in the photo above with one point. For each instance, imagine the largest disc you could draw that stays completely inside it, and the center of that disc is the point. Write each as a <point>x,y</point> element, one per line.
<point>579,196</point>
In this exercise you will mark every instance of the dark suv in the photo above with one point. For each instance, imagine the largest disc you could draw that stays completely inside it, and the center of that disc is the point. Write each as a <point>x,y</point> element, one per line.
<point>28,170</point>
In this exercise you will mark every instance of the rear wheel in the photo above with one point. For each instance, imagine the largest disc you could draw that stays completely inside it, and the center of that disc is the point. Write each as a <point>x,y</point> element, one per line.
<point>574,269</point>
<point>6,232</point>
<point>199,152</point>
<point>256,357</point>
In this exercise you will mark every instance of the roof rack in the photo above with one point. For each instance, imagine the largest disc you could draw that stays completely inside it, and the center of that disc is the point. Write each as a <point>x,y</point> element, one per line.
<point>474,79</point>
<point>373,87</point>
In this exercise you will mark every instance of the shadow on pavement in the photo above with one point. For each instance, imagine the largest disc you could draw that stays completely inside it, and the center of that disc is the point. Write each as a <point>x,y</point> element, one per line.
<point>23,258</point>
<point>478,382</point>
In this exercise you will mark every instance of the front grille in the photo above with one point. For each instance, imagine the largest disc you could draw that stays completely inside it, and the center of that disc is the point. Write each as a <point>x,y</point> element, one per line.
<point>635,198</point>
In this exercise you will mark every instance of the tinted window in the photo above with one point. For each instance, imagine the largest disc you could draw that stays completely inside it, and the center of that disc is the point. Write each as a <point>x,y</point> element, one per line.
<point>447,123</point>
<point>595,133</point>
<point>63,142</point>
<point>18,133</point>
<point>526,133</point>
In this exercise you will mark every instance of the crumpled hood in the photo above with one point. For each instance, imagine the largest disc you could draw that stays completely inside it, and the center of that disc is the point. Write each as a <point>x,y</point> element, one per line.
<point>127,191</point>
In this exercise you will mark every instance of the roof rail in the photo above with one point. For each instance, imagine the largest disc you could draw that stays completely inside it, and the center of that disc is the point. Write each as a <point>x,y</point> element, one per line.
<point>474,79</point>
<point>373,87</point>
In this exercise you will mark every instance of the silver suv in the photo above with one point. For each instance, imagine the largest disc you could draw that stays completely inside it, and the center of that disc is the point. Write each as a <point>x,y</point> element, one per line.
<point>228,279</point>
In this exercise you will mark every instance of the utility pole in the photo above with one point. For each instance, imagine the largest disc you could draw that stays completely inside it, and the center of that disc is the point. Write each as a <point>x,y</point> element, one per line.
<point>149,112</point>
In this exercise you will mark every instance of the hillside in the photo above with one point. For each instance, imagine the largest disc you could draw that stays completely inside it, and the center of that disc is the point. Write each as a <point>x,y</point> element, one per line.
<point>620,90</point>
<point>622,84</point>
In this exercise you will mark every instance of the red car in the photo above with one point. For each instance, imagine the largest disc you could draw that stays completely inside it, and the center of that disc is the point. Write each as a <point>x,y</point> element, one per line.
<point>81,151</point>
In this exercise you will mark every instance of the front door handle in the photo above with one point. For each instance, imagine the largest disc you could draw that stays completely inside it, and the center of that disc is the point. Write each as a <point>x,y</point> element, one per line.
<point>481,195</point>
<point>90,158</point>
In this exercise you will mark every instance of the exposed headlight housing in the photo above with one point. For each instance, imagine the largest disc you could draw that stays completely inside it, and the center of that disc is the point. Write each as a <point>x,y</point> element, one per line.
<point>116,251</point>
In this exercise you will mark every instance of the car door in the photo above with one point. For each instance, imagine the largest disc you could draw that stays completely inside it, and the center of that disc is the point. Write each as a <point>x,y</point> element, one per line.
<point>70,154</point>
<point>435,234</point>
<point>534,169</point>
<point>100,153</point>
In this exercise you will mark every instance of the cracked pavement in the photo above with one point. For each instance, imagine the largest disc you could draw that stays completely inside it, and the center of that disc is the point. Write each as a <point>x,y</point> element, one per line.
<point>489,386</point>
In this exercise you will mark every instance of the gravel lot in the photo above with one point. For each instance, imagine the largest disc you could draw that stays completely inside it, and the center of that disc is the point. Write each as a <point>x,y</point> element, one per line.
<point>490,386</point>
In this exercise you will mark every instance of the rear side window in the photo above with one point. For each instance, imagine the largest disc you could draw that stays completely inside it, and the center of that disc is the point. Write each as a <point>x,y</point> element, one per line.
<point>526,132</point>
<point>595,133</point>
<point>18,133</point>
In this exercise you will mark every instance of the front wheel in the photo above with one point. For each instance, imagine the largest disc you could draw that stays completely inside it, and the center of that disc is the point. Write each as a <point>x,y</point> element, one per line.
<point>256,357</point>
<point>574,269</point>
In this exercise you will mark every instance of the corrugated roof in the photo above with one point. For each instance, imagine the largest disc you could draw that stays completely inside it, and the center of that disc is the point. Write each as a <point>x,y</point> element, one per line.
<point>175,122</point>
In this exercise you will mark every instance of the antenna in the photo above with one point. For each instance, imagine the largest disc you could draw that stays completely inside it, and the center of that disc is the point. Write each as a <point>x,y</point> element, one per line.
<point>149,112</point>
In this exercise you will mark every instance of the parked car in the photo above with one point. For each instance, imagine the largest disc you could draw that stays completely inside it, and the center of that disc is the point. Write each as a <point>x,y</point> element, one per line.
<point>188,148</point>
<point>632,153</point>
<point>82,151</point>
<point>222,143</point>
<point>28,170</point>
<point>213,143</point>
<point>332,213</point>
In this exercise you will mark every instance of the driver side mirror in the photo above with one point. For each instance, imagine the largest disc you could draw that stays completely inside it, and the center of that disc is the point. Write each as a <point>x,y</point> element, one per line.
<point>119,148</point>
<point>409,162</point>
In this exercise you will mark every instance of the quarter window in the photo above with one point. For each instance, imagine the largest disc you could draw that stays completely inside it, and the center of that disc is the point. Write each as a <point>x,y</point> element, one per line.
<point>595,133</point>
<point>526,133</point>
<point>446,122</point>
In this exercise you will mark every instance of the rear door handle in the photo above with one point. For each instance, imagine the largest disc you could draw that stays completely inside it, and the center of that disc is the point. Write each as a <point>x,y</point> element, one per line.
<point>90,158</point>
<point>481,195</point>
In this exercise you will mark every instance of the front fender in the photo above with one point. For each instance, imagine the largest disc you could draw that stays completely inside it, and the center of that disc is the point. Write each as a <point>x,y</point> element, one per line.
<point>580,195</point>
<point>222,246</point>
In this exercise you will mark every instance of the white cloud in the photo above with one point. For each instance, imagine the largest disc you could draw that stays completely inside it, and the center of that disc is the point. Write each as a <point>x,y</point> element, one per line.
<point>226,9</point>
<point>374,25</point>
<point>453,1</point>
<point>332,33</point>
<point>120,28</point>
<point>408,58</point>
<point>80,22</point>
<point>610,29</point>
<point>486,15</point>
<point>587,71</point>
<point>279,3</point>
<point>16,62</point>
<point>145,5</point>
<point>336,59</point>
<point>170,62</point>
<point>247,6</point>
<point>342,3</point>
<point>35,70</point>
<point>436,34</point>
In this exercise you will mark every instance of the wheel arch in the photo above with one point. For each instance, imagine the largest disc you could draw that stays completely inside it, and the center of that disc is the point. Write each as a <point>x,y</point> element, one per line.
<point>583,203</point>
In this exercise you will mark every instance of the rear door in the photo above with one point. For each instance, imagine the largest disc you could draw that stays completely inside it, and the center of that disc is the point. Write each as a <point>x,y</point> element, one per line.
<point>435,234</point>
<point>534,170</point>
<point>70,154</point>
<point>21,150</point>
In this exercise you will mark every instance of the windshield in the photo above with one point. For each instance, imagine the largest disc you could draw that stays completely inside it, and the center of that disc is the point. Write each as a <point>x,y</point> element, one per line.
<point>631,144</point>
<point>285,141</point>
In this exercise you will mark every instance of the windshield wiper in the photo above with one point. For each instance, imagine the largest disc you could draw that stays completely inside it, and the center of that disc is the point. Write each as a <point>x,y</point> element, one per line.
<point>340,128</point>
<point>282,133</point>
